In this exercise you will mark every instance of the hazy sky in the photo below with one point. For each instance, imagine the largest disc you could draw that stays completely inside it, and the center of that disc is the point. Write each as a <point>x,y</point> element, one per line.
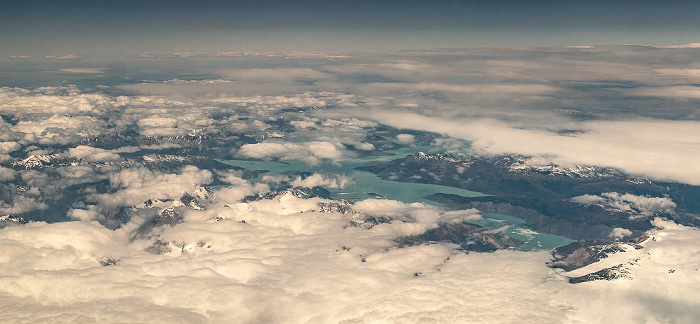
<point>128,27</point>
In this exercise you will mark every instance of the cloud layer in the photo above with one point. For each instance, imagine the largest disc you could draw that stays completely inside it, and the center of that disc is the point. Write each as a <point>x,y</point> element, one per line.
<point>246,254</point>
<point>281,259</point>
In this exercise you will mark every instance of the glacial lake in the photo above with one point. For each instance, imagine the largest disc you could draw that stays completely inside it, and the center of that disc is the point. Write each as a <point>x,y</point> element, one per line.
<point>368,185</point>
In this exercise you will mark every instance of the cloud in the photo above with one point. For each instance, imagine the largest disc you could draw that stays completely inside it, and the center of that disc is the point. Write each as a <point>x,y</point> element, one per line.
<point>311,153</point>
<point>689,45</point>
<point>67,57</point>
<point>9,147</point>
<point>680,72</point>
<point>619,233</point>
<point>328,181</point>
<point>288,262</point>
<point>226,54</point>
<point>53,115</point>
<point>636,206</point>
<point>51,101</point>
<point>93,154</point>
<point>228,284</point>
<point>59,129</point>
<point>659,290</point>
<point>84,215</point>
<point>588,199</point>
<point>20,205</point>
<point>229,270</point>
<point>680,92</point>
<point>405,138</point>
<point>77,174</point>
<point>84,70</point>
<point>7,174</point>
<point>654,148</point>
<point>284,260</point>
<point>501,89</point>
<point>274,75</point>
<point>238,83</point>
<point>136,185</point>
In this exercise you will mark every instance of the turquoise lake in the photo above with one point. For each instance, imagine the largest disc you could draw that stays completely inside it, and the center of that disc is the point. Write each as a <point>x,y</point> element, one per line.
<point>368,185</point>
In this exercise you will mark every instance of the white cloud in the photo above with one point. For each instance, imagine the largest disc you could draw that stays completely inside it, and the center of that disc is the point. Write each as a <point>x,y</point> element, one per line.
<point>501,89</point>
<point>680,72</point>
<point>329,181</point>
<point>137,185</point>
<point>689,45</point>
<point>364,146</point>
<point>59,129</point>
<point>303,124</point>
<point>636,206</point>
<point>9,147</point>
<point>290,263</point>
<point>405,138</point>
<point>7,174</point>
<point>236,279</point>
<point>51,100</point>
<point>85,215</point>
<point>274,75</point>
<point>676,92</point>
<point>663,274</point>
<point>619,233</point>
<point>655,148</point>
<point>93,154</point>
<point>266,150</point>
<point>588,199</point>
<point>21,204</point>
<point>311,153</point>
<point>78,174</point>
<point>68,57</point>
<point>84,70</point>
<point>352,123</point>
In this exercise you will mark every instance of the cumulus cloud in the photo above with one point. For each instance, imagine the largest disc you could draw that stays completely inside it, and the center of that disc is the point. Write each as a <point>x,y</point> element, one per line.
<point>6,174</point>
<point>231,277</point>
<point>136,185</point>
<point>328,181</point>
<point>85,215</point>
<point>310,152</point>
<point>21,204</point>
<point>405,138</point>
<point>59,129</point>
<point>9,147</point>
<point>290,263</point>
<point>619,233</point>
<point>234,266</point>
<point>93,154</point>
<point>77,174</point>
<point>636,206</point>
<point>282,259</point>
<point>52,100</point>
<point>53,115</point>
